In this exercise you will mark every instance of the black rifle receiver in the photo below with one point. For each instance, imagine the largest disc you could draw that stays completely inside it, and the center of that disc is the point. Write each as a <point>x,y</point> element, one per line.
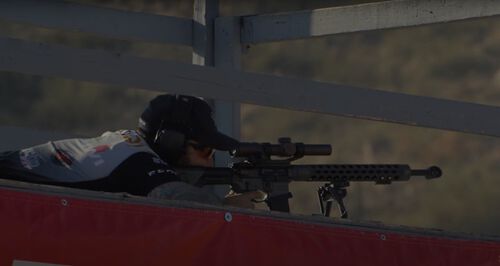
<point>259,171</point>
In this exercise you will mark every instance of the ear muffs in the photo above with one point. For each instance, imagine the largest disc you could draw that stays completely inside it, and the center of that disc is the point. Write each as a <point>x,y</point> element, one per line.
<point>170,144</point>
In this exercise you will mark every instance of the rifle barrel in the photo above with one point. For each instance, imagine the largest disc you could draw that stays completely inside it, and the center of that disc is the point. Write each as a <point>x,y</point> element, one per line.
<point>429,173</point>
<point>378,173</point>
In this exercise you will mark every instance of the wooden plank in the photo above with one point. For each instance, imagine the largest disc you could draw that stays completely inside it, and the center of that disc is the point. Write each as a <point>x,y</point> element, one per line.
<point>105,22</point>
<point>363,17</point>
<point>15,138</point>
<point>232,85</point>
<point>227,56</point>
<point>228,48</point>
<point>204,14</point>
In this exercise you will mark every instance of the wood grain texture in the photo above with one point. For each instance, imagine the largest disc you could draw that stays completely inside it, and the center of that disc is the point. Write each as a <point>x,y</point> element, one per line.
<point>232,85</point>
<point>105,22</point>
<point>363,17</point>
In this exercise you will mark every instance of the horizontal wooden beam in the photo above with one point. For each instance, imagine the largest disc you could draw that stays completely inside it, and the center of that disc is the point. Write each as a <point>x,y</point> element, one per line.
<point>232,85</point>
<point>363,17</point>
<point>15,138</point>
<point>105,22</point>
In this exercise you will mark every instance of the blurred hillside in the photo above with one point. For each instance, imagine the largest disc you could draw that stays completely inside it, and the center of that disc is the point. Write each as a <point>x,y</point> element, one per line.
<point>454,61</point>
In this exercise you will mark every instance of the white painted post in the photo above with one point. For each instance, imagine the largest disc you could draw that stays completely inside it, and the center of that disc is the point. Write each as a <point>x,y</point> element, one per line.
<point>204,14</point>
<point>226,114</point>
<point>227,57</point>
<point>205,52</point>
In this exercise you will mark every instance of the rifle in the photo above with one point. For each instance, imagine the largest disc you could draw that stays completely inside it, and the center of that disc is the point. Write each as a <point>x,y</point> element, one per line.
<point>259,171</point>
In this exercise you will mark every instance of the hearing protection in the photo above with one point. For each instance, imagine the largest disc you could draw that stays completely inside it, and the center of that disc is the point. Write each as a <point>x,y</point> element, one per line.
<point>170,138</point>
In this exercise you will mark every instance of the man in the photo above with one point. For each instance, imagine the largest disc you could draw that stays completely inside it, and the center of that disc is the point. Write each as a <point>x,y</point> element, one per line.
<point>174,130</point>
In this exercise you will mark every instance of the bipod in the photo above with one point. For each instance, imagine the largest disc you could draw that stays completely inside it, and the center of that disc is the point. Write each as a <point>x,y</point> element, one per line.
<point>333,192</point>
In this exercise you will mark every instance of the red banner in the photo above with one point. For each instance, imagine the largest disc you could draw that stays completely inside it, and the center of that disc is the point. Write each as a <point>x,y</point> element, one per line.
<point>42,228</point>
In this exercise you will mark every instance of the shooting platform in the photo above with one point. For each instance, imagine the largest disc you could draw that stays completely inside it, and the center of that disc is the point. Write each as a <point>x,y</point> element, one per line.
<point>65,226</point>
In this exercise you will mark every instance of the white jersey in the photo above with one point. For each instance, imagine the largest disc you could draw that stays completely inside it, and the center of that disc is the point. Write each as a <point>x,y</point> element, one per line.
<point>76,160</point>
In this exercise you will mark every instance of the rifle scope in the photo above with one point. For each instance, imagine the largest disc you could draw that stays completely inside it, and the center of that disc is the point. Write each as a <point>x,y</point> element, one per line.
<point>285,148</point>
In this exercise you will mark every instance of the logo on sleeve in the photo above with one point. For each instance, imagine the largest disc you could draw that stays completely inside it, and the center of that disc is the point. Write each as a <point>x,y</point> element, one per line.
<point>131,137</point>
<point>96,154</point>
<point>161,172</point>
<point>29,158</point>
<point>62,157</point>
<point>157,160</point>
<point>101,148</point>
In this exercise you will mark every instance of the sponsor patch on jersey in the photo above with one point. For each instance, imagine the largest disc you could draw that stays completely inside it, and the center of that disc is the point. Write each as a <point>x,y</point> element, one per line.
<point>63,157</point>
<point>101,148</point>
<point>162,171</point>
<point>131,137</point>
<point>157,160</point>
<point>29,158</point>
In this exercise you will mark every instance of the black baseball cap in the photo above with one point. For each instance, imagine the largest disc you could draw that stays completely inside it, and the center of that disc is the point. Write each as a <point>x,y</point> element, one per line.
<point>192,116</point>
